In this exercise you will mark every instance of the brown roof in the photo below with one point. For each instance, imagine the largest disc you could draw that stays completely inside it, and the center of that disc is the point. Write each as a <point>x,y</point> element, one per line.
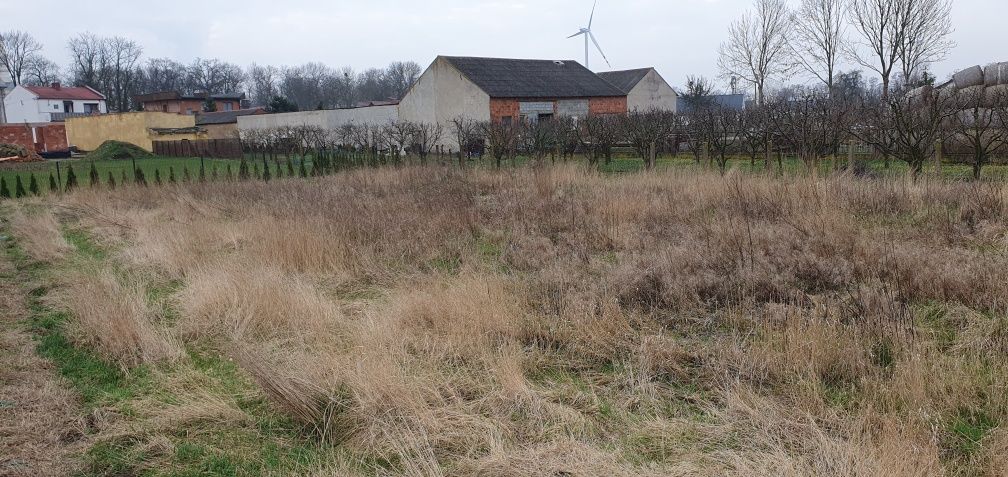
<point>175,96</point>
<point>59,92</point>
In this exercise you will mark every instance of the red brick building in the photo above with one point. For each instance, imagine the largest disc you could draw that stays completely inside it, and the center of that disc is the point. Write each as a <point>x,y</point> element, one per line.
<point>41,137</point>
<point>175,102</point>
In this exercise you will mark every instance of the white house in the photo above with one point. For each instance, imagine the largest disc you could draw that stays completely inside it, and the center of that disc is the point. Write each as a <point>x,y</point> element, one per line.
<point>46,104</point>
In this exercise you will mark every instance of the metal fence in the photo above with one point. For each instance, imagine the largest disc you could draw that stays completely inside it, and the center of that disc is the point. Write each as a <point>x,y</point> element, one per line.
<point>216,148</point>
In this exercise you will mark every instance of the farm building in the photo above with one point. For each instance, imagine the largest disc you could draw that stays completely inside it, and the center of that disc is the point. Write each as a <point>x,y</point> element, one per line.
<point>485,89</point>
<point>179,103</point>
<point>54,103</point>
<point>645,89</point>
<point>139,128</point>
<point>224,124</point>
<point>497,89</point>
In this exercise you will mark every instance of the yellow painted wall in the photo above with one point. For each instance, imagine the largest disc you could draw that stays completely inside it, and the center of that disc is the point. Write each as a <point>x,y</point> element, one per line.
<point>221,131</point>
<point>90,132</point>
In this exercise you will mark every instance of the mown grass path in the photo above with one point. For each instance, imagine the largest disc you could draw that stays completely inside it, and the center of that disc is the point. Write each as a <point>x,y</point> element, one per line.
<point>40,426</point>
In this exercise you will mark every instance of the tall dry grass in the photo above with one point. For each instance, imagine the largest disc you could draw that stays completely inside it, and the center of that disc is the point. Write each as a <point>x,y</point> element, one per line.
<point>559,322</point>
<point>112,315</point>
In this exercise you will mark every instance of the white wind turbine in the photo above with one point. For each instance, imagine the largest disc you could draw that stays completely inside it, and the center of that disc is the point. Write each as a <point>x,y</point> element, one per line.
<point>589,36</point>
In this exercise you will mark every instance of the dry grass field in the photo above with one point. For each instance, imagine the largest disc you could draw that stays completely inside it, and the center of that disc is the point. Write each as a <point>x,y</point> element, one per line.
<point>531,322</point>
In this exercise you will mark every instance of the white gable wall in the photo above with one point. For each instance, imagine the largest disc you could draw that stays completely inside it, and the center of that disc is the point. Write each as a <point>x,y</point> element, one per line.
<point>21,106</point>
<point>652,92</point>
<point>441,94</point>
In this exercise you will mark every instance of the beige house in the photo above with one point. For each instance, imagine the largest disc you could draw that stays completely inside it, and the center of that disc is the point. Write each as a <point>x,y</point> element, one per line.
<point>645,89</point>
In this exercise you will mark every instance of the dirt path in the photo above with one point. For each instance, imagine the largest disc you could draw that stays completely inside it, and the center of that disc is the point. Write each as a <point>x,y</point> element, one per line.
<point>40,427</point>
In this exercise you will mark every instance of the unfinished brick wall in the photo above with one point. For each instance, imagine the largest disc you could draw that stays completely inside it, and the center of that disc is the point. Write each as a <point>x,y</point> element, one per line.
<point>500,108</point>
<point>614,105</point>
<point>47,137</point>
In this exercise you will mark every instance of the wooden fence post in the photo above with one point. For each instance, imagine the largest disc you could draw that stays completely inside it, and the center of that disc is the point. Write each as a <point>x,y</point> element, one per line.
<point>938,159</point>
<point>850,156</point>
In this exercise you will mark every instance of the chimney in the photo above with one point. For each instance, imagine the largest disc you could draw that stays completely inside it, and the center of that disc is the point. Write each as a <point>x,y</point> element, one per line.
<point>56,85</point>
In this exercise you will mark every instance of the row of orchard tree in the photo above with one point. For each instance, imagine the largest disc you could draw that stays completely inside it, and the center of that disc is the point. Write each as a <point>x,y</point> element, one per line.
<point>810,124</point>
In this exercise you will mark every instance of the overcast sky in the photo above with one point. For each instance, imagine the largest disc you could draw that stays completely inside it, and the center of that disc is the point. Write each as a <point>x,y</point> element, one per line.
<point>679,37</point>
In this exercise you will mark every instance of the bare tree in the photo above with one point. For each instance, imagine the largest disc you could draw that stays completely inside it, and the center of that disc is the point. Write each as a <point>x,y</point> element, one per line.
<point>163,74</point>
<point>401,134</point>
<point>757,47</point>
<point>402,75</point>
<point>502,138</point>
<point>120,61</point>
<point>41,71</point>
<point>918,121</point>
<point>926,26</point>
<point>753,134</point>
<point>213,76</point>
<point>426,137</point>
<point>802,122</point>
<point>87,52</point>
<point>466,132</point>
<point>819,27</point>
<point>18,50</point>
<point>879,31</point>
<point>978,124</point>
<point>596,136</point>
<point>646,130</point>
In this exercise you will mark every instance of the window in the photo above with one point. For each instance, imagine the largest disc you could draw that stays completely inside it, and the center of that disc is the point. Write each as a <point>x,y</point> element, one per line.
<point>55,107</point>
<point>188,111</point>
<point>506,120</point>
<point>228,106</point>
<point>91,108</point>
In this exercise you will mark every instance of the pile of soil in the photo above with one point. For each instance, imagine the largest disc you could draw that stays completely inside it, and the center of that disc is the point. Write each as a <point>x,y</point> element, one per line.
<point>117,150</point>
<point>15,153</point>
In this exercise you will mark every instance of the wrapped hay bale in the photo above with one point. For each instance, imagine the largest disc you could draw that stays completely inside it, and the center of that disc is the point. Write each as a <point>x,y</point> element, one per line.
<point>969,77</point>
<point>992,74</point>
<point>996,95</point>
<point>1003,76</point>
<point>919,94</point>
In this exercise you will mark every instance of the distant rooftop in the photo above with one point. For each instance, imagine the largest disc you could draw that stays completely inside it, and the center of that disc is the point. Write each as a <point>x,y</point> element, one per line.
<point>625,80</point>
<point>225,117</point>
<point>510,78</point>
<point>177,96</point>
<point>56,91</point>
<point>730,101</point>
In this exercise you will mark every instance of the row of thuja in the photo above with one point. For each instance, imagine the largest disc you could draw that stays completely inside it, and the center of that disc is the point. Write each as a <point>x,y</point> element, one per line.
<point>60,182</point>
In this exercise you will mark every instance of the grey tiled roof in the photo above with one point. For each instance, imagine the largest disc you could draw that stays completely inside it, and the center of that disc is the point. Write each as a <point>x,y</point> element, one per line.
<point>625,80</point>
<point>508,78</point>
<point>224,117</point>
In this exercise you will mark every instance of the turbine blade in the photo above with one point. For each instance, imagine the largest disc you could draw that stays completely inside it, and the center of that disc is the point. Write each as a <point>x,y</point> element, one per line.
<point>592,17</point>
<point>576,34</point>
<point>592,36</point>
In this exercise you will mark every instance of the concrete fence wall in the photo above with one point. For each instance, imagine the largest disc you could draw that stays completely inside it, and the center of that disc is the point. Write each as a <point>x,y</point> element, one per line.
<point>328,119</point>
